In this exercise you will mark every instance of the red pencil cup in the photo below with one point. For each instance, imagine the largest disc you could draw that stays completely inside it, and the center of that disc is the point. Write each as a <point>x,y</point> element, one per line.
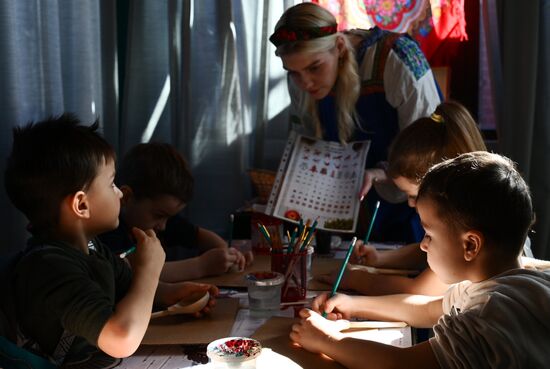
<point>294,267</point>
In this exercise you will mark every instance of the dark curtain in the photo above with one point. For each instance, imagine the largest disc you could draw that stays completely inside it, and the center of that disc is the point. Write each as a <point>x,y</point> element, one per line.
<point>55,56</point>
<point>519,41</point>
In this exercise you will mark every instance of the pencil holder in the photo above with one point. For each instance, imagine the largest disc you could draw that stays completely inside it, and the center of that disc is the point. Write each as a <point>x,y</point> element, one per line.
<point>260,246</point>
<point>294,266</point>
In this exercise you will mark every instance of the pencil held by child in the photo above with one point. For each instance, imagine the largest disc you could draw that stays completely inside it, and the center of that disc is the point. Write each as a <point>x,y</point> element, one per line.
<point>341,271</point>
<point>127,252</point>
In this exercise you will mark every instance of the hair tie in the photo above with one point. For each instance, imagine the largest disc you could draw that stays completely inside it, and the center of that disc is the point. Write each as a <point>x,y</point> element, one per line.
<point>284,35</point>
<point>438,118</point>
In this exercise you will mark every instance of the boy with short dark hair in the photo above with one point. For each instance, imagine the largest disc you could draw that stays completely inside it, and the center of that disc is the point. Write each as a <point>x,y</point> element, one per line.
<point>157,184</point>
<point>476,211</point>
<point>71,292</point>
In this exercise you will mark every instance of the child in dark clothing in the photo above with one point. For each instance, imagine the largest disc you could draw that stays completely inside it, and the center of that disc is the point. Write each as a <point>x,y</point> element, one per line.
<point>157,184</point>
<point>71,291</point>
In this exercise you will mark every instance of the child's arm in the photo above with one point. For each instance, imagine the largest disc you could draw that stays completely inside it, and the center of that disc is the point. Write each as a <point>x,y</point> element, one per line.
<point>207,240</point>
<point>361,280</point>
<point>406,257</point>
<point>416,310</point>
<point>124,330</point>
<point>215,259</point>
<point>316,334</point>
<point>213,262</point>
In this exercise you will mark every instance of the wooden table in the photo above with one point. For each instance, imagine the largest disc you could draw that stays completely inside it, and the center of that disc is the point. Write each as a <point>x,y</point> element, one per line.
<point>273,334</point>
<point>320,265</point>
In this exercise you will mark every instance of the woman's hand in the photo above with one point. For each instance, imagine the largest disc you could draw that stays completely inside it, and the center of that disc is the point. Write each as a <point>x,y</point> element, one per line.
<point>372,175</point>
<point>313,332</point>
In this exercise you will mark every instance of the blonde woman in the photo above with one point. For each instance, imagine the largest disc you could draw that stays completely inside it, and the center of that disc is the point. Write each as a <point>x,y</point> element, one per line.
<point>356,85</point>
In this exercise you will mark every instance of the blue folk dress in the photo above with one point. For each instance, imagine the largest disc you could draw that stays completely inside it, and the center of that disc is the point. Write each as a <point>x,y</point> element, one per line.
<point>397,88</point>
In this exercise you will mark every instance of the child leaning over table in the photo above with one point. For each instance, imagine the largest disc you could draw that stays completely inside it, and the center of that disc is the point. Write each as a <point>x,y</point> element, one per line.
<point>476,211</point>
<point>72,294</point>
<point>157,184</point>
<point>448,132</point>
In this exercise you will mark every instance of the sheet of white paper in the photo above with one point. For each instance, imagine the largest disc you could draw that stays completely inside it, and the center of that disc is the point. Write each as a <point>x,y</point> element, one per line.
<point>399,337</point>
<point>340,254</point>
<point>247,322</point>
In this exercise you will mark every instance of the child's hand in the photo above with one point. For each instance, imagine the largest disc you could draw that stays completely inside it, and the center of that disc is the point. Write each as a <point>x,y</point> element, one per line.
<point>349,278</point>
<point>364,254</point>
<point>337,307</point>
<point>372,175</point>
<point>217,261</point>
<point>248,257</point>
<point>240,263</point>
<point>189,290</point>
<point>149,251</point>
<point>313,330</point>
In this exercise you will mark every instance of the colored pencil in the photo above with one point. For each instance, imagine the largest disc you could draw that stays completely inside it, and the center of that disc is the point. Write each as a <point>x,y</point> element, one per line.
<point>342,269</point>
<point>127,252</point>
<point>290,247</point>
<point>367,237</point>
<point>231,223</point>
<point>309,235</point>
<point>263,230</point>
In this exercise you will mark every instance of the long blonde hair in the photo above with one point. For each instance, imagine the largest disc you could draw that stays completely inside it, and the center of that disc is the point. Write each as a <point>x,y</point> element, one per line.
<point>348,83</point>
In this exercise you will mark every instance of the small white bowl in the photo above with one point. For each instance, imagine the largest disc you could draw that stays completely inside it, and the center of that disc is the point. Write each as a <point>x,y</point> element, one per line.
<point>234,352</point>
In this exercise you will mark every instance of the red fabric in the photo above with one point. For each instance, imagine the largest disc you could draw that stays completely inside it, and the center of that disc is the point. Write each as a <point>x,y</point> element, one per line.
<point>430,22</point>
<point>448,23</point>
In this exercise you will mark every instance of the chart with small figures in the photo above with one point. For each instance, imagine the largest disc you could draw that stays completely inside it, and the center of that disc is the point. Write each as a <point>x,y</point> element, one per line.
<point>321,181</point>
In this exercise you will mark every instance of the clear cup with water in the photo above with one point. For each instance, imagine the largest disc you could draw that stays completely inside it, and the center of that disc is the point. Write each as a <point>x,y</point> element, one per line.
<point>264,290</point>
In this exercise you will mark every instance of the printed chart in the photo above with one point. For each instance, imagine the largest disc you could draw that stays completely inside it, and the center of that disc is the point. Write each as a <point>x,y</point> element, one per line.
<point>319,180</point>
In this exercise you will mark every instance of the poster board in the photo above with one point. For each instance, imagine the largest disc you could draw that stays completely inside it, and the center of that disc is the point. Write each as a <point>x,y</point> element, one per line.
<point>319,180</point>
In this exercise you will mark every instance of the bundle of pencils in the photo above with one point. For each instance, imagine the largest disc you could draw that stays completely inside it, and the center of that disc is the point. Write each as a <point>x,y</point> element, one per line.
<point>297,248</point>
<point>274,240</point>
<point>285,261</point>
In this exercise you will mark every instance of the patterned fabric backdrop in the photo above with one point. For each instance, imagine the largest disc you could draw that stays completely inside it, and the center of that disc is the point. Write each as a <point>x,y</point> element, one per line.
<point>430,22</point>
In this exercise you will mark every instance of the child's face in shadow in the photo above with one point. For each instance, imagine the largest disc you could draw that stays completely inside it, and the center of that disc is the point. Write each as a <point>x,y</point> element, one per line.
<point>104,198</point>
<point>410,188</point>
<point>442,244</point>
<point>146,213</point>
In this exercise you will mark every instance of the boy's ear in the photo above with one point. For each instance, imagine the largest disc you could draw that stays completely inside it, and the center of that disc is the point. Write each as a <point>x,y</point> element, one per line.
<point>127,193</point>
<point>472,242</point>
<point>79,205</point>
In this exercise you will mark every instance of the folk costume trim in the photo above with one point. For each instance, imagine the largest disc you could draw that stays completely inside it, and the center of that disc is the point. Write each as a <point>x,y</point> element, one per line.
<point>285,35</point>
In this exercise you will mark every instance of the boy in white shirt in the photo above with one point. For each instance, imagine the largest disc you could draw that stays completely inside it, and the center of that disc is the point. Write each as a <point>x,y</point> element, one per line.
<point>476,211</point>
